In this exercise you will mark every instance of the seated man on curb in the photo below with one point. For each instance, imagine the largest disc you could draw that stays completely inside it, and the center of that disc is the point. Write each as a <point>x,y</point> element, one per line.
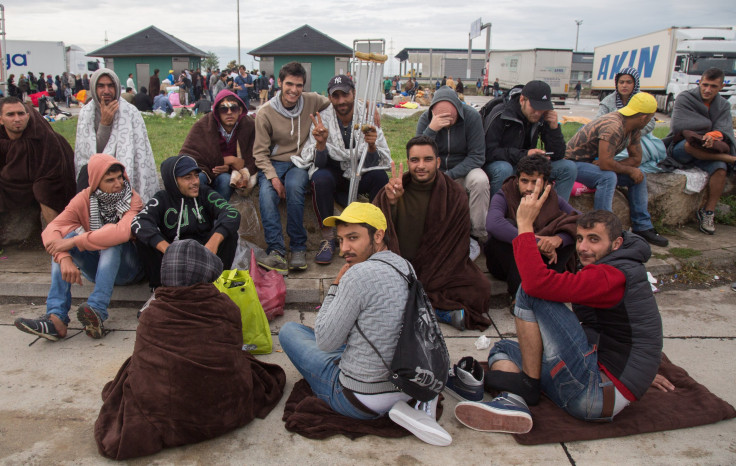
<point>184,210</point>
<point>429,225</point>
<point>593,360</point>
<point>222,142</point>
<point>457,129</point>
<point>593,148</point>
<point>513,133</point>
<point>705,112</point>
<point>36,162</point>
<point>104,252</point>
<point>554,227</point>
<point>369,294</point>
<point>327,158</point>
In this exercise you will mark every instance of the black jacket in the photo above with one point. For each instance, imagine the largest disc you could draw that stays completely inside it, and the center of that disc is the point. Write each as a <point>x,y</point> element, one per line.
<point>505,138</point>
<point>162,218</point>
<point>628,335</point>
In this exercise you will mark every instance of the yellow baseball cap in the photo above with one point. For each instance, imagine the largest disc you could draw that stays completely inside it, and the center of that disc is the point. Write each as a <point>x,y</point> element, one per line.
<point>641,102</point>
<point>359,212</point>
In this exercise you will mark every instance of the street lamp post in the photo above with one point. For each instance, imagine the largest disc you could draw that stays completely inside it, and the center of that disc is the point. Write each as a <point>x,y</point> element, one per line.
<point>577,34</point>
<point>239,32</point>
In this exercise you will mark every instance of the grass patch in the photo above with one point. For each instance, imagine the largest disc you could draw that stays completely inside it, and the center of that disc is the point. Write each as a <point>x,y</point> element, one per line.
<point>398,131</point>
<point>727,216</point>
<point>659,255</point>
<point>691,273</point>
<point>684,253</point>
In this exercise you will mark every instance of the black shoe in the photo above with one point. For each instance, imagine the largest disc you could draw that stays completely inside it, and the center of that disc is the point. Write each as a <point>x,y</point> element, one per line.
<point>42,327</point>
<point>653,237</point>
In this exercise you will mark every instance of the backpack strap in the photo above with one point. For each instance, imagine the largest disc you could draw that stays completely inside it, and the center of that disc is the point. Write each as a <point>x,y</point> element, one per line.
<point>409,278</point>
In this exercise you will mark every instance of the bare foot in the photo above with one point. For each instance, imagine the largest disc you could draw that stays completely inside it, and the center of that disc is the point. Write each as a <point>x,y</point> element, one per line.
<point>60,326</point>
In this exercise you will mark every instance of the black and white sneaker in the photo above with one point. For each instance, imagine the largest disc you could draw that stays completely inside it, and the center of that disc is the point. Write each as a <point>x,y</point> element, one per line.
<point>466,380</point>
<point>42,327</point>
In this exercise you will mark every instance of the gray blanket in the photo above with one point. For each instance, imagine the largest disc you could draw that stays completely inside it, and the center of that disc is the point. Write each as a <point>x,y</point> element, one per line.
<point>691,113</point>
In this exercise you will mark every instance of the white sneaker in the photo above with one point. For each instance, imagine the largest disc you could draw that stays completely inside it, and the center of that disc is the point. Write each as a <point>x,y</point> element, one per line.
<point>474,249</point>
<point>421,422</point>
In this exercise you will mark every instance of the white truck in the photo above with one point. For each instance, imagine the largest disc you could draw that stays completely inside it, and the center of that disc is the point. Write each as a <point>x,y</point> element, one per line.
<point>47,57</point>
<point>513,67</point>
<point>669,61</point>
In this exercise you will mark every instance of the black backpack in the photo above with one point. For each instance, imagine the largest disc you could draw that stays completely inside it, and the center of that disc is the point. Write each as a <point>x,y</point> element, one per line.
<point>421,362</point>
<point>486,112</point>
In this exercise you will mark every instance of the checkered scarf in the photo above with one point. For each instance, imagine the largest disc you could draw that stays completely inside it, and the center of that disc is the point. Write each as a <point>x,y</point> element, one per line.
<point>187,262</point>
<point>107,208</point>
<point>634,74</point>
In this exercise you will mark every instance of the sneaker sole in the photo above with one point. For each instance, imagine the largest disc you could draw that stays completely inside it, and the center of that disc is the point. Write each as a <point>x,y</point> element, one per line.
<point>92,324</point>
<point>267,267</point>
<point>26,329</point>
<point>298,267</point>
<point>401,415</point>
<point>488,419</point>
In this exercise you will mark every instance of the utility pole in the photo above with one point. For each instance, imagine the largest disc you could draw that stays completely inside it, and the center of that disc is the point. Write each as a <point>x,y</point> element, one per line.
<point>238,32</point>
<point>577,34</point>
<point>3,71</point>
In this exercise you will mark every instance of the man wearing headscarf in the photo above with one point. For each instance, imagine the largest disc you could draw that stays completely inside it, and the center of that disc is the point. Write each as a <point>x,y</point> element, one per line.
<point>103,253</point>
<point>188,379</point>
<point>110,125</point>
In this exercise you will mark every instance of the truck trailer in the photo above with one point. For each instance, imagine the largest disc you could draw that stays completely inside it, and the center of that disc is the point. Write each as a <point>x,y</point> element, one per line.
<point>669,61</point>
<point>47,57</point>
<point>513,67</point>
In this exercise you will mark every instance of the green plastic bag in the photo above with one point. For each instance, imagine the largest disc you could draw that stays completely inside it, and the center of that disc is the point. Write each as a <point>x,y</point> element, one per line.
<point>239,287</point>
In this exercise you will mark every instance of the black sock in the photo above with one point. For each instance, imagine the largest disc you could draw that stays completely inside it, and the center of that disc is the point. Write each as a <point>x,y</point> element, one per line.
<point>517,383</point>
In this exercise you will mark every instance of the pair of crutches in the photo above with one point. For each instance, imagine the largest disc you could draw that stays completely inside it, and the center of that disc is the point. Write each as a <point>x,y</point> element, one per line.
<point>363,117</point>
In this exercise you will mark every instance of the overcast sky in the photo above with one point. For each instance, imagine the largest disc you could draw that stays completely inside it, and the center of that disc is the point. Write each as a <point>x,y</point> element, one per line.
<point>212,25</point>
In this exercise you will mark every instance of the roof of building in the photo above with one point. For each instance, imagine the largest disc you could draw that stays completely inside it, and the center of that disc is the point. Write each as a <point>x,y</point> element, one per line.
<point>150,41</point>
<point>303,41</point>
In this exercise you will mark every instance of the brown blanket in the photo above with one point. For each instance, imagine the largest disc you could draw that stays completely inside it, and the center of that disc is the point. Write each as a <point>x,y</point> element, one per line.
<point>39,165</point>
<point>188,379</point>
<point>203,143</point>
<point>310,417</point>
<point>449,277</point>
<point>690,405</point>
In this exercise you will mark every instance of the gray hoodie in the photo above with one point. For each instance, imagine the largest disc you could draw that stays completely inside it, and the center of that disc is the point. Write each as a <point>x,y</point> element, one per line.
<point>462,146</point>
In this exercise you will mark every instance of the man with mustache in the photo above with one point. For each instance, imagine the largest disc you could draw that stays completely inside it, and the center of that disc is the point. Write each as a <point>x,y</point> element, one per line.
<point>326,155</point>
<point>593,360</point>
<point>429,225</point>
<point>555,226</point>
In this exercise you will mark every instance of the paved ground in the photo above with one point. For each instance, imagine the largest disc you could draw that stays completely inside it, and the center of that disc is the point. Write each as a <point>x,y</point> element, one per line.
<point>51,391</point>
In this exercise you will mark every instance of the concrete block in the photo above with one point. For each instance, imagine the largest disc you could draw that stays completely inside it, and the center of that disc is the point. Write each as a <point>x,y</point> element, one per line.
<point>303,290</point>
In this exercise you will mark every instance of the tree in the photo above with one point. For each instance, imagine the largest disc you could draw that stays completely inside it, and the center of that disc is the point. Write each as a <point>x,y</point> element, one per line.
<point>232,65</point>
<point>211,61</point>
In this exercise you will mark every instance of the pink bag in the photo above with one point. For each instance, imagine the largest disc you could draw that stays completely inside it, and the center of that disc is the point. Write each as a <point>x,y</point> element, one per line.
<point>271,288</point>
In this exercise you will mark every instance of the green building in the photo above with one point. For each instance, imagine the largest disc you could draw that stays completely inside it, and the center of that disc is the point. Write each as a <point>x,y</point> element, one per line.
<point>146,50</point>
<point>322,56</point>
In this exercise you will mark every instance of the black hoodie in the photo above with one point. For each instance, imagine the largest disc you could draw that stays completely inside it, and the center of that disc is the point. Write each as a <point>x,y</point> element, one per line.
<point>162,218</point>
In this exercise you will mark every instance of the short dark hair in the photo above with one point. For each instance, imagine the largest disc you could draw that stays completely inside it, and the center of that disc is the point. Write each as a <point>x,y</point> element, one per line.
<point>10,100</point>
<point>422,141</point>
<point>534,164</point>
<point>609,219</point>
<point>143,90</point>
<point>156,71</point>
<point>293,68</point>
<point>714,74</point>
<point>128,89</point>
<point>115,168</point>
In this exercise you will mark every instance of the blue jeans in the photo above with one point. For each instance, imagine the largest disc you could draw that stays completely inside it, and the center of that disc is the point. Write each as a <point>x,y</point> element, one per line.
<point>319,368</point>
<point>328,186</point>
<point>570,374</point>
<point>563,174</point>
<point>680,154</point>
<point>106,268</point>
<point>221,184</point>
<point>295,182</point>
<point>605,182</point>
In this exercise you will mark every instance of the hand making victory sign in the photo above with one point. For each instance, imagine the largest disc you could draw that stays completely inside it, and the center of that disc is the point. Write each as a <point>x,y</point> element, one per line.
<point>319,132</point>
<point>395,186</point>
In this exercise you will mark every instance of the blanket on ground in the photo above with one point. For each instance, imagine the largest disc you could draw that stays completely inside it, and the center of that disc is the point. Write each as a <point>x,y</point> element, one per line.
<point>128,143</point>
<point>450,278</point>
<point>690,405</point>
<point>310,417</point>
<point>39,165</point>
<point>188,379</point>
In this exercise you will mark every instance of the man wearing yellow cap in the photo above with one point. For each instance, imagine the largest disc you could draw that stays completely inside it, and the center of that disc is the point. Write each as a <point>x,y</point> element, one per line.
<point>593,148</point>
<point>337,361</point>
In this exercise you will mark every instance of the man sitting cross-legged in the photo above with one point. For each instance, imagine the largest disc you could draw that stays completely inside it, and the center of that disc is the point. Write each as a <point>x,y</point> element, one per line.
<point>592,361</point>
<point>103,252</point>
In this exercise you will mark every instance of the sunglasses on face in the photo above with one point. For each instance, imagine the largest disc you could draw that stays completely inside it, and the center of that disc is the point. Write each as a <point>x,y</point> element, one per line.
<point>225,108</point>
